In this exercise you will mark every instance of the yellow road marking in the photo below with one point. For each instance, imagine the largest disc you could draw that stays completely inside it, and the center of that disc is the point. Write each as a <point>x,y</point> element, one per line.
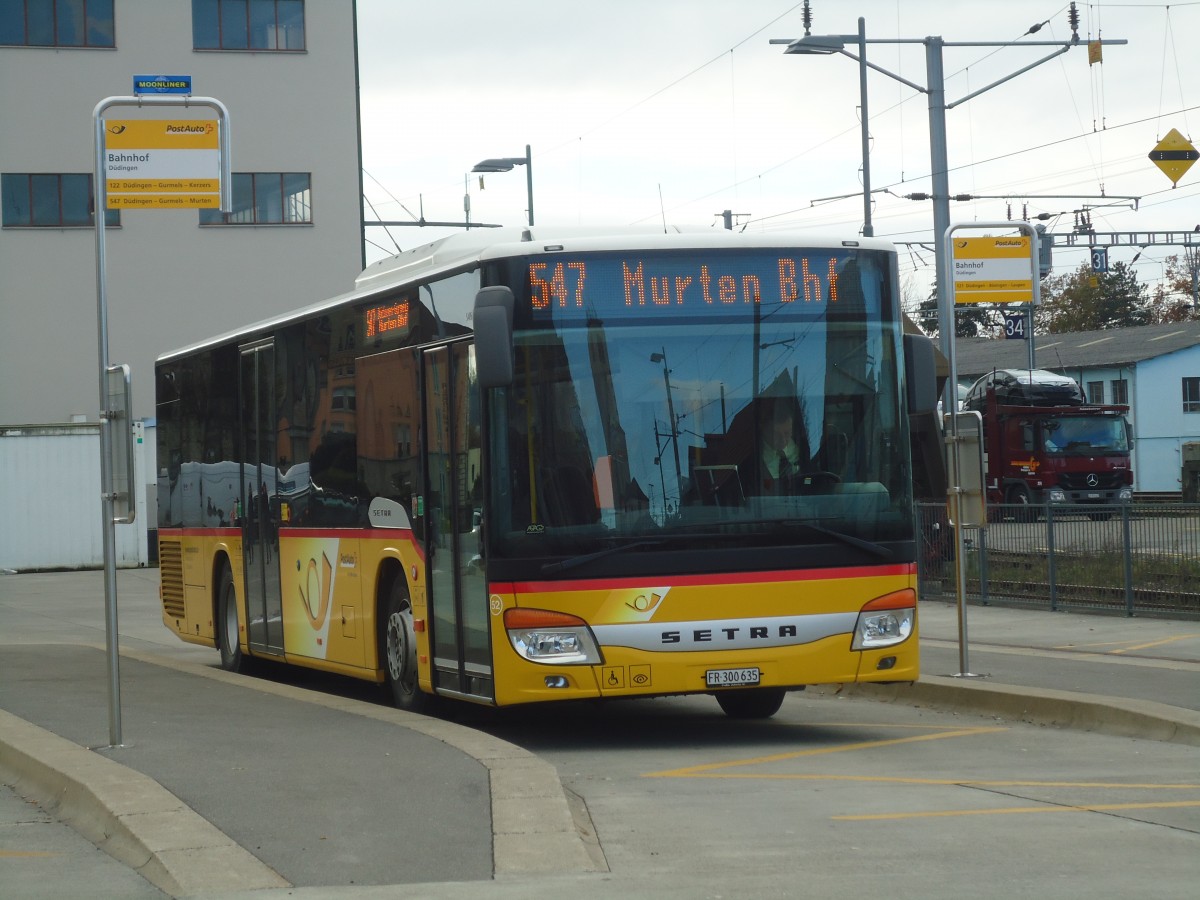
<point>1169,640</point>
<point>934,782</point>
<point>714,770</point>
<point>1082,646</point>
<point>1096,807</point>
<point>702,770</point>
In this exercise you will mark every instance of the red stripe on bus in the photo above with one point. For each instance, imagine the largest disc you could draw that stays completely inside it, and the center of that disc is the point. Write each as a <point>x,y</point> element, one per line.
<point>291,532</point>
<point>200,532</point>
<point>357,533</point>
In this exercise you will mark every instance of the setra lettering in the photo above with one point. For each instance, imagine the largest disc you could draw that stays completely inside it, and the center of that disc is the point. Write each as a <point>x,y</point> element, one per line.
<point>730,633</point>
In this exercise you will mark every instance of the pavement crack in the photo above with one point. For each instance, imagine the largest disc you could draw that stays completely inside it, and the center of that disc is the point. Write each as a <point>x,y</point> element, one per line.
<point>1097,809</point>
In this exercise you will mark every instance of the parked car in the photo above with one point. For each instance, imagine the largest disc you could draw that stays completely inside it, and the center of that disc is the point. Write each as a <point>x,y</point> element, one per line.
<point>1025,387</point>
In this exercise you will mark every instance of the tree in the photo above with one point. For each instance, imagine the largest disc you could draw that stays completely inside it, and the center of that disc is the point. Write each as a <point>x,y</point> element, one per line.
<point>1175,300</point>
<point>1085,301</point>
<point>971,320</point>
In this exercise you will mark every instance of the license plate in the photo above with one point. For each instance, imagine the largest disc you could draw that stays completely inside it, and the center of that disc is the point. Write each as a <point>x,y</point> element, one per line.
<point>731,677</point>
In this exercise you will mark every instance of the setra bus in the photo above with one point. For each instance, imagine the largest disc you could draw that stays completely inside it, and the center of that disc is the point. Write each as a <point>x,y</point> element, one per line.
<point>525,465</point>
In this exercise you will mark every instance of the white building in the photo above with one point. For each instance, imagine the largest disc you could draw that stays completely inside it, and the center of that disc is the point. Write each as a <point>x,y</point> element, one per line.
<point>1154,369</point>
<point>287,72</point>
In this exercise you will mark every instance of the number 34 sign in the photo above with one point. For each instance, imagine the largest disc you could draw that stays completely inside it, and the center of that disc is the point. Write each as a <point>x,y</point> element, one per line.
<point>1014,325</point>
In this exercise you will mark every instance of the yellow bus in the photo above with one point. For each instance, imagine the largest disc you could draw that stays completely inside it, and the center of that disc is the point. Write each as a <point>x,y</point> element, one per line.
<point>524,465</point>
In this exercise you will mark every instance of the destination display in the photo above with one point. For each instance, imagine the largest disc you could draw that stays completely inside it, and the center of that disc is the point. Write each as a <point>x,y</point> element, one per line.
<point>387,320</point>
<point>643,285</point>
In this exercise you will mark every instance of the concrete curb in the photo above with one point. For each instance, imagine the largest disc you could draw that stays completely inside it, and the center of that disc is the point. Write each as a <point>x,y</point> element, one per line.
<point>1041,706</point>
<point>128,815</point>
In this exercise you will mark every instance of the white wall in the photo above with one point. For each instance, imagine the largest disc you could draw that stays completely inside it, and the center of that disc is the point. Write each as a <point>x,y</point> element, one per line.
<point>52,510</point>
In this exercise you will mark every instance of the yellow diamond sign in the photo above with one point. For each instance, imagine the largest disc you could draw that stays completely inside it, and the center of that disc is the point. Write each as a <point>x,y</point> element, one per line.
<point>1174,154</point>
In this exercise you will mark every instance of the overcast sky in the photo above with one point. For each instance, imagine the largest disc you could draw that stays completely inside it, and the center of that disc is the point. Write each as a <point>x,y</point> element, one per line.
<point>640,111</point>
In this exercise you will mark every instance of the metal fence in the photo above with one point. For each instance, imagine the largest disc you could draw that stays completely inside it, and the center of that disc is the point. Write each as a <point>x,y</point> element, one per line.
<point>1133,559</point>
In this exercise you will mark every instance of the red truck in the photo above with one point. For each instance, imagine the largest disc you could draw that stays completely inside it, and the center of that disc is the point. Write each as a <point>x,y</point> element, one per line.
<point>1046,444</point>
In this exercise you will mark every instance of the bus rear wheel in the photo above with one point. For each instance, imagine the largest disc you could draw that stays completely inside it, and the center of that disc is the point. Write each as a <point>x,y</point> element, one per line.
<point>399,651</point>
<point>232,658</point>
<point>751,703</point>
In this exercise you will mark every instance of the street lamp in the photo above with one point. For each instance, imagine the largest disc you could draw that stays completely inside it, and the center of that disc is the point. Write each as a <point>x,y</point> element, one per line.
<point>824,45</point>
<point>505,164</point>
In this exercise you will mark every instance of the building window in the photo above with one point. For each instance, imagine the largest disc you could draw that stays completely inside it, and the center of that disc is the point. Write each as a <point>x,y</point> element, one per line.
<point>1095,391</point>
<point>56,23</point>
<point>1191,395</point>
<point>1120,391</point>
<point>50,201</point>
<point>248,24</point>
<point>266,198</point>
<point>343,399</point>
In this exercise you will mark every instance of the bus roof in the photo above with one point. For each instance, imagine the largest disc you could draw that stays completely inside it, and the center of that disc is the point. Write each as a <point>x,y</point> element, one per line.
<point>465,251</point>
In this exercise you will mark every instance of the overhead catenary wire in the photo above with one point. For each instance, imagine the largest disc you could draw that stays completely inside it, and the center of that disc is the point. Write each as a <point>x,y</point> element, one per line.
<point>905,177</point>
<point>1169,40</point>
<point>997,158</point>
<point>759,177</point>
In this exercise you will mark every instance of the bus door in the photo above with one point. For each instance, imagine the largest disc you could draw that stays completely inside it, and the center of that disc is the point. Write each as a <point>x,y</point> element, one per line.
<point>453,506</point>
<point>258,498</point>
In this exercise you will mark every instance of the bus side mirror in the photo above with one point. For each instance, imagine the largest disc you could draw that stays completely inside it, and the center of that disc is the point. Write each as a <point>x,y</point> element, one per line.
<point>920,374</point>
<point>493,318</point>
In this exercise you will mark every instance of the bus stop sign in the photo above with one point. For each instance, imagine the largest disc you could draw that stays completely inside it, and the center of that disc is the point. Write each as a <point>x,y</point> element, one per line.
<point>993,270</point>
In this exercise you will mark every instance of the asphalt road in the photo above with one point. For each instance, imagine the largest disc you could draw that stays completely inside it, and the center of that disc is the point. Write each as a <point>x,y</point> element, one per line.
<point>1051,774</point>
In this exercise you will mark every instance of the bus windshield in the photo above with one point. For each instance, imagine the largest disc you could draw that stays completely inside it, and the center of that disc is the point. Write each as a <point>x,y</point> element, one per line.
<point>726,399</point>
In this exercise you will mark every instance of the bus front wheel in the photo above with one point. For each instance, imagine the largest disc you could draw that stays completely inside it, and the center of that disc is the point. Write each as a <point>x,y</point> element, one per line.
<point>400,651</point>
<point>751,703</point>
<point>232,659</point>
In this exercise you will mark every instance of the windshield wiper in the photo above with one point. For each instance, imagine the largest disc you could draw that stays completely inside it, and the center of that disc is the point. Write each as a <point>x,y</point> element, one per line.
<point>870,546</point>
<point>572,561</point>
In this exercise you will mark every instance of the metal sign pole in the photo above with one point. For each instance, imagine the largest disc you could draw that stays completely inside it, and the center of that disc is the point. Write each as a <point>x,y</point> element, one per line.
<point>107,497</point>
<point>955,472</point>
<point>100,204</point>
<point>955,489</point>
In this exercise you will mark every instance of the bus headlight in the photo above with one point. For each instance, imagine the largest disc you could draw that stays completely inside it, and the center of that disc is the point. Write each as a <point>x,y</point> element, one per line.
<point>543,636</point>
<point>1057,495</point>
<point>1125,494</point>
<point>886,621</point>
